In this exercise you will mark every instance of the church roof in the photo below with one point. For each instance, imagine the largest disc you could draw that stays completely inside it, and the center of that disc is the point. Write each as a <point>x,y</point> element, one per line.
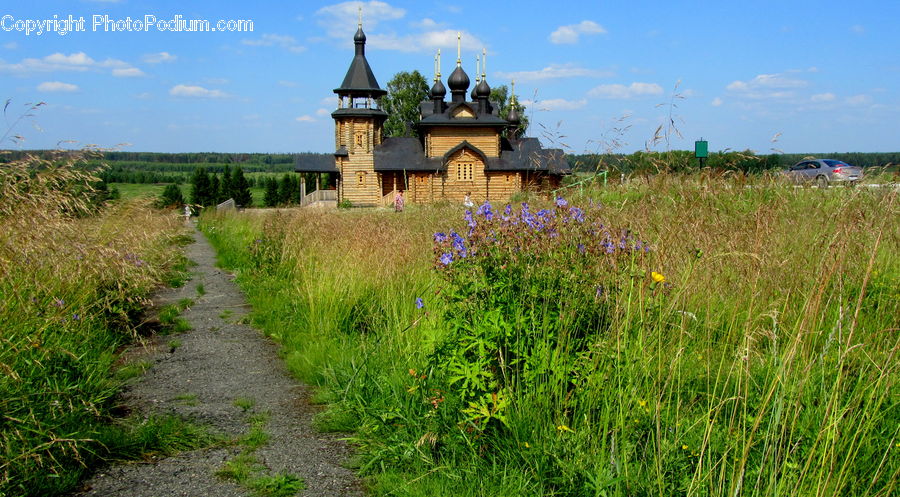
<point>360,80</point>
<point>404,154</point>
<point>315,163</point>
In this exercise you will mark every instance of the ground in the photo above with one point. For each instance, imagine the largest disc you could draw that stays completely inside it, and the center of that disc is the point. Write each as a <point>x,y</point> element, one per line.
<point>222,373</point>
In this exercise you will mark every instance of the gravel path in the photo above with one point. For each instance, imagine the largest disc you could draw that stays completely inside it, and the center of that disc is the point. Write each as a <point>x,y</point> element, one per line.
<point>220,361</point>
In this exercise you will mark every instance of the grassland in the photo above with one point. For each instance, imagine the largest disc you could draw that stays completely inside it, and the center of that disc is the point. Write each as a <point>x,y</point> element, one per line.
<point>74,276</point>
<point>751,351</point>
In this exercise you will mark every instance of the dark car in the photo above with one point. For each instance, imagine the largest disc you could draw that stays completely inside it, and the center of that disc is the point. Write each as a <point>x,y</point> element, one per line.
<point>824,171</point>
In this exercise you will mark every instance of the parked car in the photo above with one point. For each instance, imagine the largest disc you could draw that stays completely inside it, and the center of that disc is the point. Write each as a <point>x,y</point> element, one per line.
<point>824,171</point>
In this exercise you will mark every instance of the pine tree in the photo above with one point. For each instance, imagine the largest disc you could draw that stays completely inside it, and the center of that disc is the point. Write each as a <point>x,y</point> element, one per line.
<point>271,196</point>
<point>215,189</point>
<point>284,189</point>
<point>241,190</point>
<point>201,193</point>
<point>226,187</point>
<point>170,197</point>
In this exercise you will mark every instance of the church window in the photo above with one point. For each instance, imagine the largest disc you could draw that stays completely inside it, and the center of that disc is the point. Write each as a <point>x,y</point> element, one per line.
<point>464,171</point>
<point>361,178</point>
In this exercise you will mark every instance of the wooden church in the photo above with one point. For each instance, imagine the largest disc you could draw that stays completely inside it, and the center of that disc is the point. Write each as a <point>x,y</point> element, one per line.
<point>463,146</point>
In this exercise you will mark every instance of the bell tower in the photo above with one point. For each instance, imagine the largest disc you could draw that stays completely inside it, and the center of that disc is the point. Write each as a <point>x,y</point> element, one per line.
<point>358,124</point>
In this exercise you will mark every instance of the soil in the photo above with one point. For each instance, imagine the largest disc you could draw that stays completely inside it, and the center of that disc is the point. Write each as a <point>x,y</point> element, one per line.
<point>219,361</point>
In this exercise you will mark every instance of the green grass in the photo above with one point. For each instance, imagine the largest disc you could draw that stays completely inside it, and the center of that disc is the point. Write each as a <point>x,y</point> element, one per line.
<point>73,290</point>
<point>246,470</point>
<point>764,365</point>
<point>187,399</point>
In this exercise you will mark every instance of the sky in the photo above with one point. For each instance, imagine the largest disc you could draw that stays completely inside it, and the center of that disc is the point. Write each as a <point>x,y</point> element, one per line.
<point>602,76</point>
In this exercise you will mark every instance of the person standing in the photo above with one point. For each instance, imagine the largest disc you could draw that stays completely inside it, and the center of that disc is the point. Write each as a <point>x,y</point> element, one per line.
<point>398,201</point>
<point>468,200</point>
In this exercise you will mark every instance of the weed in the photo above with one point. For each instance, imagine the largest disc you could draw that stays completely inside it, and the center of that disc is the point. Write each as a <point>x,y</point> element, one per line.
<point>244,403</point>
<point>201,290</point>
<point>173,345</point>
<point>226,314</point>
<point>187,399</point>
<point>132,370</point>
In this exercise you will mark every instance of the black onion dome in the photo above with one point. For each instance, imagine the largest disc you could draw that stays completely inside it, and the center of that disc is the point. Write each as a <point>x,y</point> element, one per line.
<point>513,116</point>
<point>359,37</point>
<point>438,90</point>
<point>474,95</point>
<point>482,89</point>
<point>459,80</point>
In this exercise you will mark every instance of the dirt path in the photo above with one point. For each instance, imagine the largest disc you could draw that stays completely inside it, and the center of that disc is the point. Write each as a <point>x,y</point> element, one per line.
<point>218,363</point>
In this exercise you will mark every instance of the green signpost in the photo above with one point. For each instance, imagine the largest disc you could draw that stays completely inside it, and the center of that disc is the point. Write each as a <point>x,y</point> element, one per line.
<point>701,150</point>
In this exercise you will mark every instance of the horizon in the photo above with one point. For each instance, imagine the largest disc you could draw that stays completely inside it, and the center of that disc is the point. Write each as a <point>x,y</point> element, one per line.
<point>833,85</point>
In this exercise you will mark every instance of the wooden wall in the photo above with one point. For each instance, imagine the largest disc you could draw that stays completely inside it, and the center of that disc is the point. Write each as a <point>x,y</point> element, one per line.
<point>439,141</point>
<point>361,160</point>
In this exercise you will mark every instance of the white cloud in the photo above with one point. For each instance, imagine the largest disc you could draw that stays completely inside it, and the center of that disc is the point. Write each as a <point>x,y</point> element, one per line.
<point>823,97</point>
<point>555,71</point>
<point>157,58</point>
<point>767,87</point>
<point>11,45</point>
<point>571,33</point>
<point>858,29</point>
<point>128,72</point>
<point>57,86</point>
<point>426,23</point>
<point>858,100</point>
<point>767,81</point>
<point>323,112</point>
<point>193,91</point>
<point>425,42</point>
<point>58,62</point>
<point>340,20</point>
<point>560,104</point>
<point>330,101</point>
<point>634,90</point>
<point>306,119</point>
<point>716,102</point>
<point>286,42</point>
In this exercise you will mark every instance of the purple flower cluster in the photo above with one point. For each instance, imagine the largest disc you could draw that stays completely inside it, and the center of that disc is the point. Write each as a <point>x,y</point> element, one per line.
<point>566,227</point>
<point>133,259</point>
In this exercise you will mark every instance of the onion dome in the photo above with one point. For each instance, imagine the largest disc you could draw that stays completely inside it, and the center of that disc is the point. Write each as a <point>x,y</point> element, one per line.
<point>359,37</point>
<point>482,90</point>
<point>513,116</point>
<point>474,95</point>
<point>438,90</point>
<point>459,80</point>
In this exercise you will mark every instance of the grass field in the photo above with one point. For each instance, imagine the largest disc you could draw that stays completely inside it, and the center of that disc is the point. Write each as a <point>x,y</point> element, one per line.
<point>75,277</point>
<point>672,336</point>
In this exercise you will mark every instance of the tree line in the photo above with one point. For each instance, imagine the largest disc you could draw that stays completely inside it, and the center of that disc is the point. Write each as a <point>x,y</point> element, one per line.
<point>208,189</point>
<point>677,161</point>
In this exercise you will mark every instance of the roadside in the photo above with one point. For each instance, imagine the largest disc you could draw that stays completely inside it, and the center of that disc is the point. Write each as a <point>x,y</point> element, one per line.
<point>226,375</point>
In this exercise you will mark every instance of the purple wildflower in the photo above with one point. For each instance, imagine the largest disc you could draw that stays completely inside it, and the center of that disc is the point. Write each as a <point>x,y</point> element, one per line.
<point>59,302</point>
<point>446,258</point>
<point>581,248</point>
<point>470,221</point>
<point>576,214</point>
<point>419,303</point>
<point>561,202</point>
<point>440,237</point>
<point>508,210</point>
<point>485,210</point>
<point>76,317</point>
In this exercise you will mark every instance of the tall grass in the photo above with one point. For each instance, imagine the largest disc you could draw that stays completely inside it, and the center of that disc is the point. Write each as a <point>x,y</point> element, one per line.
<point>764,364</point>
<point>73,276</point>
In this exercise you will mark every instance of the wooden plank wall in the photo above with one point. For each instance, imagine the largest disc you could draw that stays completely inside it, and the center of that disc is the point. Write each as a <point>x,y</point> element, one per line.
<point>440,140</point>
<point>360,161</point>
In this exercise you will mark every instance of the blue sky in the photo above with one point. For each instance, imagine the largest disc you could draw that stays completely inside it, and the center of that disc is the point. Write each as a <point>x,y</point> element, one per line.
<point>817,76</point>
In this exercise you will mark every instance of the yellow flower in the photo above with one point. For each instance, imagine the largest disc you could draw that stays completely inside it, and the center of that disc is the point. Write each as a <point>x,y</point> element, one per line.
<point>642,402</point>
<point>564,428</point>
<point>684,447</point>
<point>527,446</point>
<point>657,277</point>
